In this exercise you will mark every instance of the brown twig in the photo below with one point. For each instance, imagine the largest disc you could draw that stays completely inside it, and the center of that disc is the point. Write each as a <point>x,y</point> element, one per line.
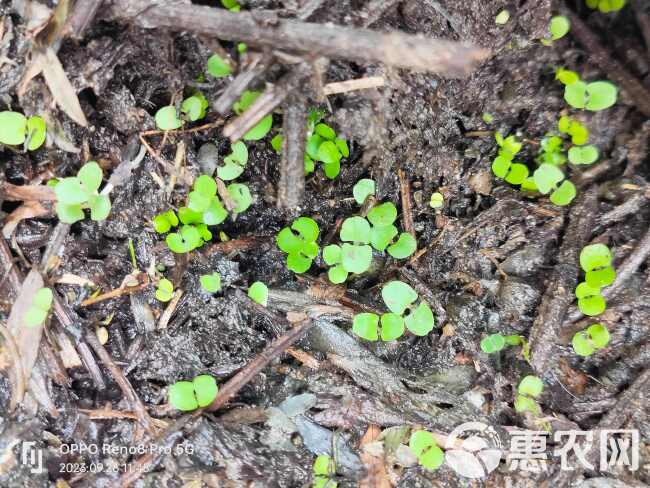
<point>21,193</point>
<point>118,292</point>
<point>395,48</point>
<point>614,70</point>
<point>354,85</point>
<point>121,380</point>
<point>407,213</point>
<point>257,66</point>
<point>264,104</point>
<point>167,166</point>
<point>277,347</point>
<point>292,168</point>
<point>559,296</point>
<point>201,128</point>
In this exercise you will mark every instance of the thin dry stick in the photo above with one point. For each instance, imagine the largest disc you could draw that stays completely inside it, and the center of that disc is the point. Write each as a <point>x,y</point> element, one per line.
<point>19,391</point>
<point>258,65</point>
<point>332,41</point>
<point>292,168</point>
<point>353,85</point>
<point>118,292</point>
<point>167,166</point>
<point>277,347</point>
<point>211,125</point>
<point>615,70</point>
<point>124,384</point>
<point>264,104</point>
<point>407,213</point>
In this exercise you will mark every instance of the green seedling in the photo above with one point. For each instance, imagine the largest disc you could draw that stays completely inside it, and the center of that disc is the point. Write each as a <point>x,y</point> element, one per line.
<point>324,470</point>
<point>301,248</point>
<point>259,293</point>
<point>578,132</point>
<point>596,262</point>
<point>165,290</point>
<point>355,254</point>
<point>503,166</point>
<point>218,67</point>
<point>16,129</point>
<point>606,6</point>
<point>588,341</point>
<point>211,282</point>
<point>547,178</point>
<point>583,154</point>
<point>399,298</point>
<point>167,118</point>
<point>425,448</point>
<point>231,5</point>
<point>163,222</point>
<point>363,189</point>
<point>559,27</point>
<point>190,395</point>
<point>529,390</point>
<point>185,240</point>
<point>437,200</point>
<point>263,126</point>
<point>488,118</point>
<point>566,77</point>
<point>496,342</point>
<point>594,96</point>
<point>590,300</point>
<point>194,107</point>
<point>241,47</point>
<point>502,17</point>
<point>234,163</point>
<point>40,307</point>
<point>276,143</point>
<point>241,195</point>
<point>75,193</point>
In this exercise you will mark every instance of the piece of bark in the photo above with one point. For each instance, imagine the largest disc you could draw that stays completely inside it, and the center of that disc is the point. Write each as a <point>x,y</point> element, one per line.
<point>615,71</point>
<point>559,288</point>
<point>265,104</point>
<point>395,48</point>
<point>291,187</point>
<point>81,17</point>
<point>21,193</point>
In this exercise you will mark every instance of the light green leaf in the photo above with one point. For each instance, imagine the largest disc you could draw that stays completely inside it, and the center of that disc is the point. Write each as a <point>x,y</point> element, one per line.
<point>205,389</point>
<point>363,189</point>
<point>259,293</point>
<point>13,128</point>
<point>365,325</point>
<point>601,95</point>
<point>298,263</point>
<point>558,27</point>
<point>583,154</point>
<point>260,130</point>
<point>307,228</point>
<point>531,386</point>
<point>100,207</point>
<point>181,396</point>
<point>211,282</point>
<point>382,215</point>
<point>398,296</point>
<point>404,247</point>
<point>69,191</point>
<point>575,94</point>
<point>547,177</point>
<point>241,195</point>
<point>218,67</point>
<point>420,321</point>
<point>493,343</point>
<point>337,274</point>
<point>595,256</point>
<point>69,214</point>
<point>564,195</point>
<point>381,237</point>
<point>328,153</point>
<point>36,131</point>
<point>166,118</point>
<point>392,327</point>
<point>356,258</point>
<point>355,229</point>
<point>332,254</point>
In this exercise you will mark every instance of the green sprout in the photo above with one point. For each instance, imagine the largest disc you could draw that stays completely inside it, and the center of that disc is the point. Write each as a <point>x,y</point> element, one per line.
<point>606,6</point>
<point>559,27</point>
<point>231,5</point>
<point>529,389</point>
<point>185,240</point>
<point>596,262</point>
<point>302,248</point>
<point>211,282</point>
<point>363,189</point>
<point>503,166</point>
<point>566,77</point>
<point>167,118</point>
<point>399,298</point>
<point>496,342</point>
<point>259,293</point>
<point>594,96</point>
<point>590,301</point>
<point>194,107</point>
<point>488,118</point>
<point>586,342</point>
<point>75,193</point>
<point>502,17</point>
<point>40,307</point>
<point>263,126</point>
<point>276,143</point>
<point>324,470</point>
<point>578,132</point>
<point>16,129</point>
<point>218,67</point>
<point>164,290</point>
<point>437,200</point>
<point>583,154</point>
<point>241,195</point>
<point>165,221</point>
<point>190,395</point>
<point>547,178</point>
<point>424,447</point>
<point>234,163</point>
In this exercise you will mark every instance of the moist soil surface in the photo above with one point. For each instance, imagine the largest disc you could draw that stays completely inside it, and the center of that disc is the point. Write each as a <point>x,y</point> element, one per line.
<point>492,259</point>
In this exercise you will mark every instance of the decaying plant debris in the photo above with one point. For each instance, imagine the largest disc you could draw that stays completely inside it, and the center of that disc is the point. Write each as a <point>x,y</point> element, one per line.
<point>408,84</point>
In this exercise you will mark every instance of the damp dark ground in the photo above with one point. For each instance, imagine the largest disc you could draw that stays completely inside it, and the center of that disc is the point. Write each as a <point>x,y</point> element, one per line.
<point>490,260</point>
